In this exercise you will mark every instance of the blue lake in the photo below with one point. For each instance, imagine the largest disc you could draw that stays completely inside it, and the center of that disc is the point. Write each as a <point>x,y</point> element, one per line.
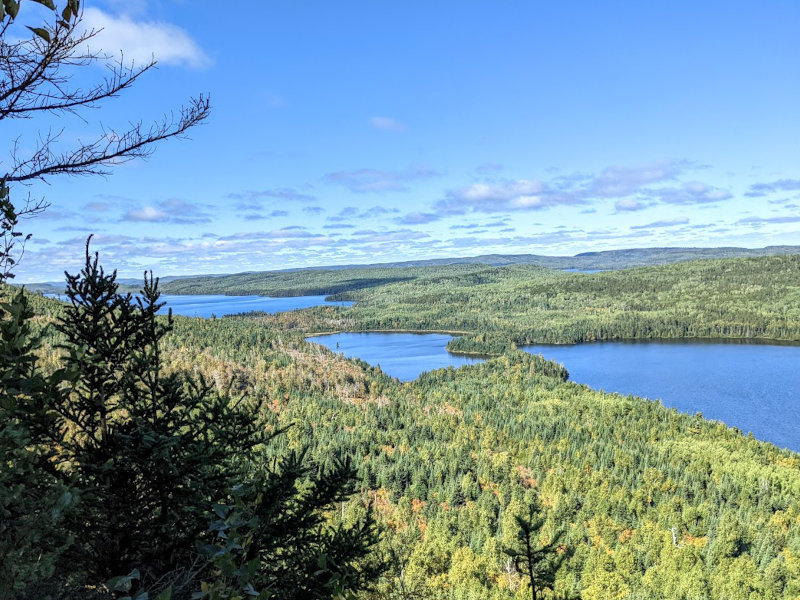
<point>401,355</point>
<point>207,305</point>
<point>755,387</point>
<point>221,305</point>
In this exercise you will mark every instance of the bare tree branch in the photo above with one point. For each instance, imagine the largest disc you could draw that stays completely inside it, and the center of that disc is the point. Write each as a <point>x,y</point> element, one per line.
<point>110,148</point>
<point>38,76</point>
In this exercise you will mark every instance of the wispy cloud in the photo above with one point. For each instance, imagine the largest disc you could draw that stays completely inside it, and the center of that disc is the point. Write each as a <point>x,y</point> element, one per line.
<point>339,226</point>
<point>255,216</point>
<point>488,168</point>
<point>473,226</point>
<point>377,211</point>
<point>174,211</point>
<point>621,181</point>
<point>140,41</point>
<point>350,213</point>
<point>506,196</point>
<point>693,192</point>
<point>98,207</point>
<point>364,181</point>
<point>397,235</point>
<point>148,213</point>
<point>765,220</point>
<point>252,198</point>
<point>630,205</point>
<point>663,223</point>
<point>634,188</point>
<point>418,218</point>
<point>387,124</point>
<point>781,185</point>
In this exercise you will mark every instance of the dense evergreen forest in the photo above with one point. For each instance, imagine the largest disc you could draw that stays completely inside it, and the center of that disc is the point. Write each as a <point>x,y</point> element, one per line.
<point>499,307</point>
<point>144,457</point>
<point>640,501</point>
<point>324,279</point>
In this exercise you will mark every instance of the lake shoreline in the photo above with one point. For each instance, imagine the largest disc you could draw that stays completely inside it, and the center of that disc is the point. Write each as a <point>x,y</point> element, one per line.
<point>413,331</point>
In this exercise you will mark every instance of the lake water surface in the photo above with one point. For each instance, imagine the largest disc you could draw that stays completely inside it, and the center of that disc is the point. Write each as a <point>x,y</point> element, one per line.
<point>755,387</point>
<point>206,305</point>
<point>219,305</point>
<point>401,355</point>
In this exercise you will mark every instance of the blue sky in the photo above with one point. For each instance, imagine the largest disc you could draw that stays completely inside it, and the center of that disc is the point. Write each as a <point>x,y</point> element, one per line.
<point>359,132</point>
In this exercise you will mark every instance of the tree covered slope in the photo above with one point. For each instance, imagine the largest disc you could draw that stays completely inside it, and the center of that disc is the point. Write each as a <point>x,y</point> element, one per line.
<point>652,503</point>
<point>648,502</point>
<point>333,279</point>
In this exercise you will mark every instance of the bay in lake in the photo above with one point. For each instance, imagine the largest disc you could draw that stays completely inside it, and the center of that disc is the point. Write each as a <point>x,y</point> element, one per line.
<point>401,355</point>
<point>755,387</point>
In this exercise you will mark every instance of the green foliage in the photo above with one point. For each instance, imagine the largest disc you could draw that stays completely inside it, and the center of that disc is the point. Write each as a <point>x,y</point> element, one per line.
<point>307,557</point>
<point>111,464</point>
<point>538,563</point>
<point>646,497</point>
<point>149,450</point>
<point>338,281</point>
<point>482,344</point>
<point>652,503</point>
<point>10,237</point>
<point>34,500</point>
<point>500,307</point>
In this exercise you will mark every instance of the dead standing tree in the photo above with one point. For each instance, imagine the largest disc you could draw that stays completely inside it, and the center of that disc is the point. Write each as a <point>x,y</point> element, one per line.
<point>38,66</point>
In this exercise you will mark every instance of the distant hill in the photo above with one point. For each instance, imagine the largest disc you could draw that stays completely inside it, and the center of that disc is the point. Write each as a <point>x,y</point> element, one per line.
<point>131,284</point>
<point>289,282</point>
<point>607,260</point>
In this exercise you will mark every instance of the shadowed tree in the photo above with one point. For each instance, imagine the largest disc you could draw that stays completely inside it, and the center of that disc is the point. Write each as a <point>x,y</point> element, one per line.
<point>538,562</point>
<point>110,464</point>
<point>149,453</point>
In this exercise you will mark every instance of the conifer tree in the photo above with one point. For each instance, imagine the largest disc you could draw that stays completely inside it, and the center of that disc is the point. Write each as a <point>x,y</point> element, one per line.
<point>538,562</point>
<point>148,454</point>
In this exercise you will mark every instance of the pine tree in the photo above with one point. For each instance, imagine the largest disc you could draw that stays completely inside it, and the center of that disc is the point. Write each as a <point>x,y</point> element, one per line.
<point>148,454</point>
<point>538,563</point>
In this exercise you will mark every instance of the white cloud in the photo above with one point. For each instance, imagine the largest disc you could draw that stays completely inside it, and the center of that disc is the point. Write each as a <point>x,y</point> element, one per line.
<point>620,181</point>
<point>663,223</point>
<point>173,210</point>
<point>629,204</point>
<point>691,192</point>
<point>140,41</point>
<point>521,194</point>
<point>147,214</point>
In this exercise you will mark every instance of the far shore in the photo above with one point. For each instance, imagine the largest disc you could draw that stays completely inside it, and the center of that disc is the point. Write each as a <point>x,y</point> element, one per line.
<point>420,331</point>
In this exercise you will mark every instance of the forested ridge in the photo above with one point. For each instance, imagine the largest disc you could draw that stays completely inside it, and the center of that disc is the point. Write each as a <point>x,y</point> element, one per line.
<point>328,279</point>
<point>742,298</point>
<point>644,502</point>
